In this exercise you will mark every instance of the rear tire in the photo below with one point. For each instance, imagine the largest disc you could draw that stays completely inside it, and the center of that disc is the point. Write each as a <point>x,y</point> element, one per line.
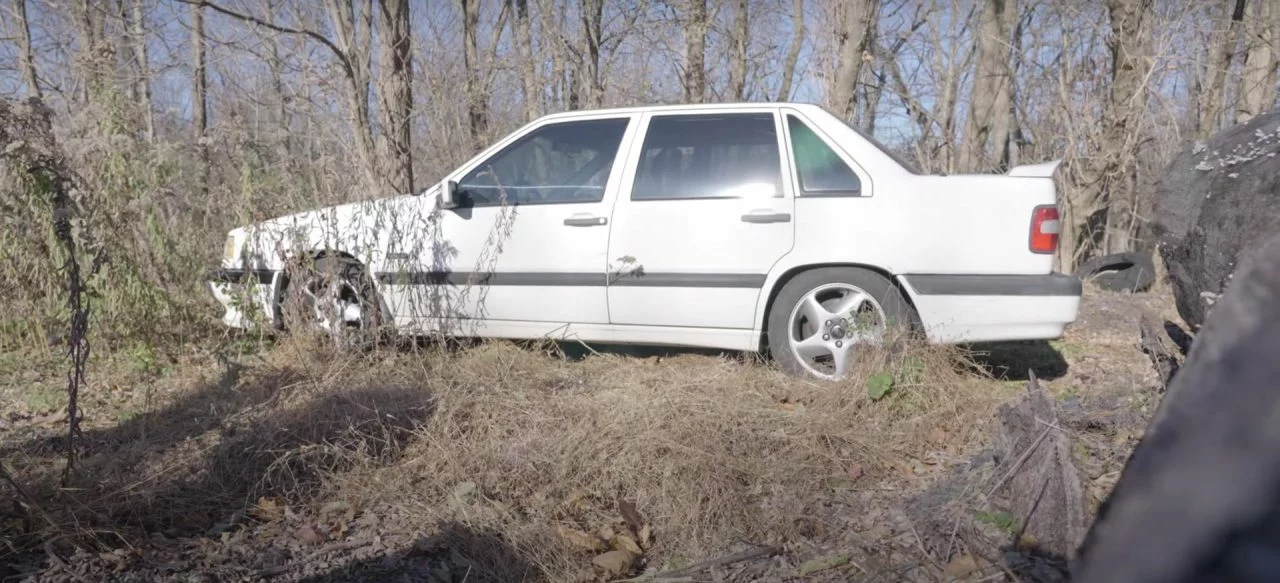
<point>792,338</point>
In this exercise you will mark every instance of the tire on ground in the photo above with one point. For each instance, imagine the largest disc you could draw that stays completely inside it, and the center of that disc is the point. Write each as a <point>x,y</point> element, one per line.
<point>1120,272</point>
<point>901,316</point>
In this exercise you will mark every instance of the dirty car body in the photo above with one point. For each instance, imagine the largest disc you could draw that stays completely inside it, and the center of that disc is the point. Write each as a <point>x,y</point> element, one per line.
<point>756,227</point>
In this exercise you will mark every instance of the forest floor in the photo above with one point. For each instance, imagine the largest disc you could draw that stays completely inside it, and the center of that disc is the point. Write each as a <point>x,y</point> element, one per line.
<point>286,461</point>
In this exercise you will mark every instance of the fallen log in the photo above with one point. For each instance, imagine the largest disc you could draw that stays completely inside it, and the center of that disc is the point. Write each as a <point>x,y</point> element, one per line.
<point>1155,341</point>
<point>1037,474</point>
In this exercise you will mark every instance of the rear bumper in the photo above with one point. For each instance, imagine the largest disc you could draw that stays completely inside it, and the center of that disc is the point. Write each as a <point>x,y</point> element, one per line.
<point>979,308</point>
<point>247,296</point>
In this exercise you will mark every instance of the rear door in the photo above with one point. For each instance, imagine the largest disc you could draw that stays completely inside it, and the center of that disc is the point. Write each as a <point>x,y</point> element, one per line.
<point>702,216</point>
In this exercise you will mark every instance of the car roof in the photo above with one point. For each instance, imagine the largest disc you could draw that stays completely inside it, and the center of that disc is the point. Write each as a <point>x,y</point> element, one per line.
<point>678,107</point>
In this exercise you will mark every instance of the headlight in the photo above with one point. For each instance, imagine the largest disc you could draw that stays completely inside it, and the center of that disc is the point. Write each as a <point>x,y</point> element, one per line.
<point>229,249</point>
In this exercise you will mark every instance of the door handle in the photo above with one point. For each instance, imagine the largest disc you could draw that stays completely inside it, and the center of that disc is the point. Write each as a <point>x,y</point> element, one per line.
<point>766,216</point>
<point>585,220</point>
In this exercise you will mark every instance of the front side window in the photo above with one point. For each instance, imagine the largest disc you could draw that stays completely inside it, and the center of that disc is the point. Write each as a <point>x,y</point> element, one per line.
<point>821,171</point>
<point>730,155</point>
<point>566,162</point>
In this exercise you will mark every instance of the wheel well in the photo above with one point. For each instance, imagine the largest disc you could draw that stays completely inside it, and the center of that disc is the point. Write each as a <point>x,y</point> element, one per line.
<point>794,271</point>
<point>314,255</point>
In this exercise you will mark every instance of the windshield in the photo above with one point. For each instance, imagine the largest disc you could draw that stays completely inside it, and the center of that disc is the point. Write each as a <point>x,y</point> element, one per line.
<point>906,164</point>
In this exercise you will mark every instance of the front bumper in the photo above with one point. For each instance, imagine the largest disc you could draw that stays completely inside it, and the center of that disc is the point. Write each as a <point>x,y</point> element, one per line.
<point>247,296</point>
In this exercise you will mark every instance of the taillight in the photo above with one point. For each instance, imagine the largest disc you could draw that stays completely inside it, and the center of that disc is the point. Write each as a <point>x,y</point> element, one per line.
<point>1045,228</point>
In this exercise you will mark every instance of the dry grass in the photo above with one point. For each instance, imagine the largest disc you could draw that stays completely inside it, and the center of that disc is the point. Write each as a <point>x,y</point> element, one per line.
<point>714,452</point>
<point>711,451</point>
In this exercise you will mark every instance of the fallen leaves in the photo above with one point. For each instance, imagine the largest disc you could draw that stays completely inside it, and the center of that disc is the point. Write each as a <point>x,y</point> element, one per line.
<point>580,540</point>
<point>269,509</point>
<point>615,563</point>
<point>961,567</point>
<point>618,545</point>
<point>626,543</point>
<point>822,564</point>
<point>310,535</point>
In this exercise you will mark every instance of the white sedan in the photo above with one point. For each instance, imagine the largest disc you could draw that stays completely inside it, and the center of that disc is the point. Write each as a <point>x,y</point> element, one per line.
<point>772,227</point>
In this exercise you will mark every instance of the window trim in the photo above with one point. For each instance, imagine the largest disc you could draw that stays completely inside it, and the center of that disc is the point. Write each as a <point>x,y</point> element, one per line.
<point>865,184</point>
<point>646,123</point>
<point>515,138</point>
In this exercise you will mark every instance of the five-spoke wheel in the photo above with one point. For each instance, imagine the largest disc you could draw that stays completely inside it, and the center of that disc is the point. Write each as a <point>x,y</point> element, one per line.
<point>823,319</point>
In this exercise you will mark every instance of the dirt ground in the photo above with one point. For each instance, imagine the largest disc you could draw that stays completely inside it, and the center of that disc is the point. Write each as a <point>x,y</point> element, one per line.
<point>286,462</point>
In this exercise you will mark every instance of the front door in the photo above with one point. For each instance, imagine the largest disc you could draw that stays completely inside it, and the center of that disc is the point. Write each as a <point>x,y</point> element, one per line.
<point>703,216</point>
<point>524,251</point>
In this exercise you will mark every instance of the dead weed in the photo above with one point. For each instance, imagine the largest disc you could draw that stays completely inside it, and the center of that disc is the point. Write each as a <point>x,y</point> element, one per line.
<point>712,452</point>
<point>611,463</point>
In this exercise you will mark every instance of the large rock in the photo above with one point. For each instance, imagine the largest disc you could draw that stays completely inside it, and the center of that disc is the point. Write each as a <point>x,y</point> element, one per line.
<point>1213,201</point>
<point>1199,499</point>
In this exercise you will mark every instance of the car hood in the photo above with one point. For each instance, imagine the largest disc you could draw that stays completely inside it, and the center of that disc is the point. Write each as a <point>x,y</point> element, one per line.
<point>360,229</point>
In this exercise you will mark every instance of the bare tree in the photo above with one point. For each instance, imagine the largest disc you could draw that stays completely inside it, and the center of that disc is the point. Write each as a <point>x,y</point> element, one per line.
<point>477,101</point>
<point>1101,212</point>
<point>793,50</point>
<point>695,39</point>
<point>1222,52</point>
<point>395,93</point>
<point>531,94</point>
<point>200,93</point>
<point>738,42</point>
<point>142,68</point>
<point>1258,79</point>
<point>990,104</point>
<point>592,31</point>
<point>25,54</point>
<point>352,46</point>
<point>90,18</point>
<point>855,18</point>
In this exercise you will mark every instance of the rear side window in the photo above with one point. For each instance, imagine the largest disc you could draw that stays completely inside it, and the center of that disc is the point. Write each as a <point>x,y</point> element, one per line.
<point>732,155</point>
<point>821,171</point>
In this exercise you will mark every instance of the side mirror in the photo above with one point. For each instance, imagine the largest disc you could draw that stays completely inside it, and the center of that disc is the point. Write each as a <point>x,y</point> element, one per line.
<point>449,194</point>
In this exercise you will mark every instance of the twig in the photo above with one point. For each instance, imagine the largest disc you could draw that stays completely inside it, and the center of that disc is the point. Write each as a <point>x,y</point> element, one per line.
<point>1025,454</point>
<point>329,548</point>
<point>58,562</point>
<point>737,557</point>
<point>920,544</point>
<point>1022,528</point>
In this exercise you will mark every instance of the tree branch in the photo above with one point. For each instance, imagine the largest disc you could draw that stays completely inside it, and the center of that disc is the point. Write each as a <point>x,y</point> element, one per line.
<point>320,38</point>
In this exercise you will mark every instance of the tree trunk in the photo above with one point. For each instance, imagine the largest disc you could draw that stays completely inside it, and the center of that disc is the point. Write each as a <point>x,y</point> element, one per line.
<point>592,29</point>
<point>1258,80</point>
<point>738,51</point>
<point>477,103</point>
<point>1222,44</point>
<point>142,68</point>
<point>200,94</point>
<point>528,68</point>
<point>395,76</point>
<point>987,134</point>
<point>695,40</point>
<point>1101,211</point>
<point>854,22</point>
<point>793,51</point>
<point>90,54</point>
<point>354,31</point>
<point>26,56</point>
